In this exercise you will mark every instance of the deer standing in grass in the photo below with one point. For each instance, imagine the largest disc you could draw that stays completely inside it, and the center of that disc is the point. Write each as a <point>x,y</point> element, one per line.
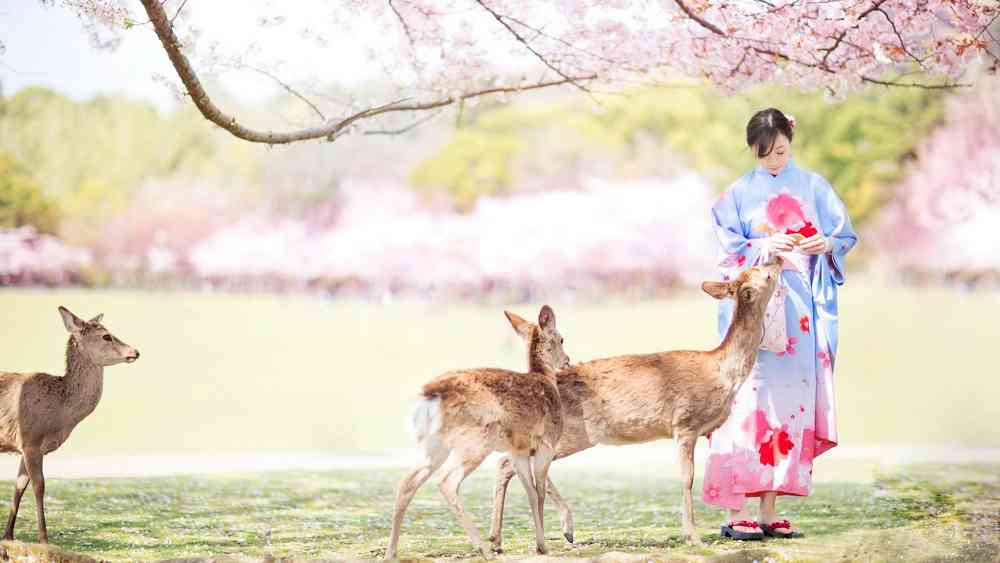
<point>465,415</point>
<point>644,397</point>
<point>38,411</point>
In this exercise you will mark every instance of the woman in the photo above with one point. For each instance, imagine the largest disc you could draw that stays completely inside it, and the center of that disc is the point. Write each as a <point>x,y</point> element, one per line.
<point>783,416</point>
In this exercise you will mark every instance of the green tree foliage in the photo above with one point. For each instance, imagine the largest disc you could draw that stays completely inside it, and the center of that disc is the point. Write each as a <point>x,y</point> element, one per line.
<point>21,199</point>
<point>859,144</point>
<point>90,156</point>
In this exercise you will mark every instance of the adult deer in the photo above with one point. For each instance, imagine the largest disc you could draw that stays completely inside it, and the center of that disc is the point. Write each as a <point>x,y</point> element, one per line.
<point>38,411</point>
<point>644,397</point>
<point>463,416</point>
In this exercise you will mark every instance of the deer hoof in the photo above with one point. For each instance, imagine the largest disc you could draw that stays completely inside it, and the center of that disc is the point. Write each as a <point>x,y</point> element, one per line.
<point>540,550</point>
<point>568,536</point>
<point>486,552</point>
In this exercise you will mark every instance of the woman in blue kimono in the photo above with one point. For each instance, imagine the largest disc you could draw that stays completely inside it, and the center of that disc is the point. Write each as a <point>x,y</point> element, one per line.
<point>784,415</point>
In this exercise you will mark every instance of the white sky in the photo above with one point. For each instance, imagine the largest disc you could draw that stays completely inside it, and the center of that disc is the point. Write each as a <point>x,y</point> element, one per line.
<point>48,46</point>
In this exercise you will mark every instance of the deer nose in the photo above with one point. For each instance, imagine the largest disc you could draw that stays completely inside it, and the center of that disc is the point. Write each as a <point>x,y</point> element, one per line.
<point>133,356</point>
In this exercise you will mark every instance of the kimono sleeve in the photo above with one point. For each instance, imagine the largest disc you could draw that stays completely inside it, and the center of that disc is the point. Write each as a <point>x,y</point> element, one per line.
<point>737,251</point>
<point>836,226</point>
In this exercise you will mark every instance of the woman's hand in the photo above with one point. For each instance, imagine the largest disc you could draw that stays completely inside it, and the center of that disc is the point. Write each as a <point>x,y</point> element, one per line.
<point>816,244</point>
<point>780,242</point>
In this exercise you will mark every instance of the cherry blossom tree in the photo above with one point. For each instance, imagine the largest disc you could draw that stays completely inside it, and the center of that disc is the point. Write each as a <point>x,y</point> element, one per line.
<point>944,216</point>
<point>441,53</point>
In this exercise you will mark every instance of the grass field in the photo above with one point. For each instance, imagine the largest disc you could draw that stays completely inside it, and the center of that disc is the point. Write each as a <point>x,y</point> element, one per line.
<point>239,372</point>
<point>244,373</point>
<point>917,513</point>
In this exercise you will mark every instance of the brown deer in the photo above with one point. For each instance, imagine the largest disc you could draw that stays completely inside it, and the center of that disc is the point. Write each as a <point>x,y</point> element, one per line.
<point>38,411</point>
<point>640,398</point>
<point>464,415</point>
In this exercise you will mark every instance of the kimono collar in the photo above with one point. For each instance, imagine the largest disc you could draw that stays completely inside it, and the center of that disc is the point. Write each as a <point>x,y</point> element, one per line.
<point>789,167</point>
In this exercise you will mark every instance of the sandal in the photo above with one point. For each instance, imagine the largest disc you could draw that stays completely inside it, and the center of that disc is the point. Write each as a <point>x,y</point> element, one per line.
<point>729,531</point>
<point>770,529</point>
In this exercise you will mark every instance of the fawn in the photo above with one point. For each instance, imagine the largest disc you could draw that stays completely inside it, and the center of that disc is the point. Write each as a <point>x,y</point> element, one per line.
<point>464,415</point>
<point>38,411</point>
<point>644,397</point>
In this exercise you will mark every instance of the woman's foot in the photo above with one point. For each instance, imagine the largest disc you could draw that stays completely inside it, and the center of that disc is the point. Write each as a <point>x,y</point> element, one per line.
<point>741,526</point>
<point>778,529</point>
<point>742,530</point>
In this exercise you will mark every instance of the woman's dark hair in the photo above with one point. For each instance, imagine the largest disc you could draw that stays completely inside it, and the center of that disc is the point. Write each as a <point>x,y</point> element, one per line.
<point>763,129</point>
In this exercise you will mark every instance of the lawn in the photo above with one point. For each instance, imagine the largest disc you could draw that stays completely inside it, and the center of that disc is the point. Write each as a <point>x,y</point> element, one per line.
<point>912,513</point>
<point>258,373</point>
<point>252,373</point>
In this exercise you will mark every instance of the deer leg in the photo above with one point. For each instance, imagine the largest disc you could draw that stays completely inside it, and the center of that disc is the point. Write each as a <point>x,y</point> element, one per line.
<point>15,503</point>
<point>505,471</point>
<point>33,463</point>
<point>685,452</point>
<point>522,465</point>
<point>433,458</point>
<point>540,464</point>
<point>564,511</point>
<point>459,465</point>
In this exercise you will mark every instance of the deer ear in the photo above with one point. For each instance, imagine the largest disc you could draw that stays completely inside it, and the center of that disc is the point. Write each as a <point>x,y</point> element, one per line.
<point>547,318</point>
<point>96,319</point>
<point>520,325</point>
<point>718,290</point>
<point>74,324</point>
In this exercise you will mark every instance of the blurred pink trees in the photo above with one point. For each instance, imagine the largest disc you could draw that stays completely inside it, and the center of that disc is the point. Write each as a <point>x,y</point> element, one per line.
<point>945,215</point>
<point>602,235</point>
<point>30,258</point>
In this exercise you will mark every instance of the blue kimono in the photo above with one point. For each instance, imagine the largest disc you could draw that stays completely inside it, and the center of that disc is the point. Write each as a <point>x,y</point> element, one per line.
<point>784,414</point>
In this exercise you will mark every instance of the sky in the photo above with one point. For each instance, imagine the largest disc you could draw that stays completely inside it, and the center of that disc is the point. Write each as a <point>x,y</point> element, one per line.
<point>48,46</point>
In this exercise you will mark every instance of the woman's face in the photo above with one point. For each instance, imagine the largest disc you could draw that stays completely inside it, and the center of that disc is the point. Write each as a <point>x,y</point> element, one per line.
<point>775,160</point>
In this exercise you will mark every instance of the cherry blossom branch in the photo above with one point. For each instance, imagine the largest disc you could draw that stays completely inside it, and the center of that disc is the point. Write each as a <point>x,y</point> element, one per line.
<point>527,45</point>
<point>329,130</point>
<point>286,87</point>
<point>402,22</point>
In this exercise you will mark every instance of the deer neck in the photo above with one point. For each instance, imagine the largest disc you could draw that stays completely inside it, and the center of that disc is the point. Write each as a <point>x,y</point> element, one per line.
<point>738,351</point>
<point>537,365</point>
<point>83,382</point>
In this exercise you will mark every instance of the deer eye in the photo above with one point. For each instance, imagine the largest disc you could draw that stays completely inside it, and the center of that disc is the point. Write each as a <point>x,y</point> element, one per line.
<point>107,337</point>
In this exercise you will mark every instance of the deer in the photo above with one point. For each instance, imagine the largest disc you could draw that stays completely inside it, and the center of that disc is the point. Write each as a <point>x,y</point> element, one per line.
<point>462,416</point>
<point>644,397</point>
<point>38,411</point>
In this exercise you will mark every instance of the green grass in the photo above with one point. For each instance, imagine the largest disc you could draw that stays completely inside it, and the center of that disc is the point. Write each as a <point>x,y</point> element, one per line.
<point>258,373</point>
<point>243,372</point>
<point>927,513</point>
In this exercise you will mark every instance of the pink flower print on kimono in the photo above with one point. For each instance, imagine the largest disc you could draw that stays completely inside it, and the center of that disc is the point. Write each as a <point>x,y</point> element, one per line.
<point>826,360</point>
<point>804,323</point>
<point>773,443</point>
<point>789,346</point>
<point>785,215</point>
<point>733,261</point>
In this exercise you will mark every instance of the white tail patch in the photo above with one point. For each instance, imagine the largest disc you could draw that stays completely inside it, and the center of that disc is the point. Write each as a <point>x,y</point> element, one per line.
<point>426,418</point>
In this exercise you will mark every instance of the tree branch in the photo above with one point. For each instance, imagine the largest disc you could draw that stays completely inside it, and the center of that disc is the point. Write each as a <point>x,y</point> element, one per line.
<point>413,125</point>
<point>913,84</point>
<point>406,28</point>
<point>698,19</point>
<point>527,45</point>
<point>328,130</point>
<point>287,88</point>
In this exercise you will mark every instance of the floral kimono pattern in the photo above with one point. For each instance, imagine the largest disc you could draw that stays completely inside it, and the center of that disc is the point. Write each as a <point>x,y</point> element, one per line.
<point>784,414</point>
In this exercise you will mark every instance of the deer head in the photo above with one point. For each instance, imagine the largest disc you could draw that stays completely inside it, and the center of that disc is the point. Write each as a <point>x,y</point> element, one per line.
<point>752,289</point>
<point>545,344</point>
<point>95,342</point>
